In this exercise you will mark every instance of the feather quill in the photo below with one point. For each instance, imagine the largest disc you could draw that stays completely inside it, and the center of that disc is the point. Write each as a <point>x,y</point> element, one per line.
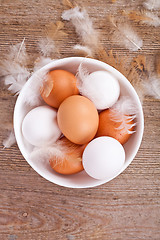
<point>152,4</point>
<point>10,140</point>
<point>83,25</point>
<point>126,36</point>
<point>18,53</point>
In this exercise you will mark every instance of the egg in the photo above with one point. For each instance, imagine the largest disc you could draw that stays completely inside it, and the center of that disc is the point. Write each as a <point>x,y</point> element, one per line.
<point>102,88</point>
<point>78,119</point>
<point>119,129</point>
<point>103,158</point>
<point>58,85</point>
<point>40,127</point>
<point>70,161</point>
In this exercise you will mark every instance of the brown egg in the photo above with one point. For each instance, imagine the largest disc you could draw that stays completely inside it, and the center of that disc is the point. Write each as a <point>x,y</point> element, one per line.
<point>71,160</point>
<point>58,85</point>
<point>114,128</point>
<point>78,119</point>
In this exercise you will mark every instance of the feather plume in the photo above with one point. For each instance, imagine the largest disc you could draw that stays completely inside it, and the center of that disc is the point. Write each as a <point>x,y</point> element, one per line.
<point>83,26</point>
<point>152,87</point>
<point>60,150</point>
<point>46,46</point>
<point>138,75</point>
<point>46,153</point>
<point>152,4</point>
<point>55,31</point>
<point>10,140</point>
<point>84,50</point>
<point>144,17</point>
<point>32,96</point>
<point>16,83</point>
<point>7,67</point>
<point>144,82</point>
<point>125,106</point>
<point>81,75</point>
<point>124,111</point>
<point>13,69</point>
<point>18,54</point>
<point>126,36</point>
<point>15,60</point>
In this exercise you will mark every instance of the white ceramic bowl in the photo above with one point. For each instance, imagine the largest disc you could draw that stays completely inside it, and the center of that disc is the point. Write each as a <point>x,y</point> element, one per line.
<point>79,180</point>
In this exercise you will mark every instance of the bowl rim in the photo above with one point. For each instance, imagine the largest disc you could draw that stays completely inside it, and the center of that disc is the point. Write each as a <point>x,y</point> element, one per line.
<point>52,65</point>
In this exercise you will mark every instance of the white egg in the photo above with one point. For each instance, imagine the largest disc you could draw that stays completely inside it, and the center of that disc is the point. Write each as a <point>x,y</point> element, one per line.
<point>102,88</point>
<point>40,127</point>
<point>103,158</point>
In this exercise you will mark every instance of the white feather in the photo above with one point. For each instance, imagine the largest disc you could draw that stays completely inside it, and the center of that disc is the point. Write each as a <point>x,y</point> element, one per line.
<point>16,82</point>
<point>8,67</point>
<point>58,151</point>
<point>83,25</point>
<point>46,46</point>
<point>10,140</point>
<point>82,73</point>
<point>84,86</point>
<point>152,4</point>
<point>127,37</point>
<point>32,96</point>
<point>45,153</point>
<point>84,49</point>
<point>153,20</point>
<point>41,62</point>
<point>152,87</point>
<point>13,68</point>
<point>17,53</point>
<point>125,106</point>
<point>73,13</point>
<point>124,111</point>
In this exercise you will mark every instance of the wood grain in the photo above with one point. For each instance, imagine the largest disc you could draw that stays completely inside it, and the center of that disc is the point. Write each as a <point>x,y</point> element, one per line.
<point>32,208</point>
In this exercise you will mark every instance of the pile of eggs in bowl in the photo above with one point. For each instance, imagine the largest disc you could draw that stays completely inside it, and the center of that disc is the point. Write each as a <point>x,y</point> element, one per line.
<point>79,118</point>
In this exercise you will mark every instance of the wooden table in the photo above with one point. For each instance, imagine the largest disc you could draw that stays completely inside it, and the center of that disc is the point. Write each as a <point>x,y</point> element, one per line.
<point>31,207</point>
